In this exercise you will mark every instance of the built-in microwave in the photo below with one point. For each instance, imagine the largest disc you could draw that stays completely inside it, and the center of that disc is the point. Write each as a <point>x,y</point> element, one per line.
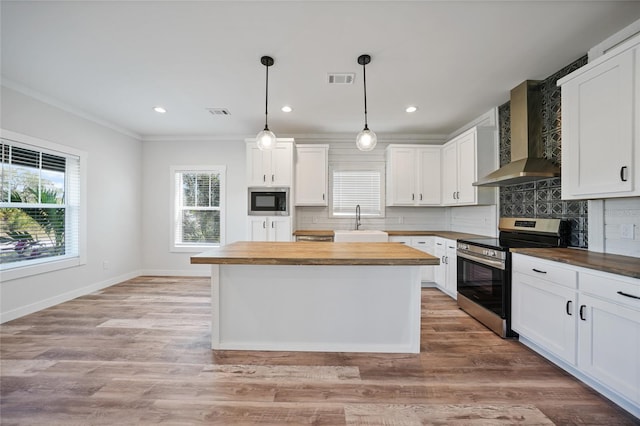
<point>268,201</point>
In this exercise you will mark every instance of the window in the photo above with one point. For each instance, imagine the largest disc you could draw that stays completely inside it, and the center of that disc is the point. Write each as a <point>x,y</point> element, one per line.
<point>198,214</point>
<point>354,185</point>
<point>40,208</point>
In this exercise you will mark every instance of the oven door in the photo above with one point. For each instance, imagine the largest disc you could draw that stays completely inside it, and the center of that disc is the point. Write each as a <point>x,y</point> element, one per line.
<point>486,285</point>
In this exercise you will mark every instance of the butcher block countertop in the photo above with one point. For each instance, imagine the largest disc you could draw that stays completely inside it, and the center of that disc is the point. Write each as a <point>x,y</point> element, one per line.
<point>314,253</point>
<point>444,234</point>
<point>613,263</point>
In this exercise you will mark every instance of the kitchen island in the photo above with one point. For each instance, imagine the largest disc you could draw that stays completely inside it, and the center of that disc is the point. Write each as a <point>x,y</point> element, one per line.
<point>315,296</point>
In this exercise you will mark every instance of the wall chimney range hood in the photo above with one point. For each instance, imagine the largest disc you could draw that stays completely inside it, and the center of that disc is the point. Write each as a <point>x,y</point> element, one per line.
<point>527,163</point>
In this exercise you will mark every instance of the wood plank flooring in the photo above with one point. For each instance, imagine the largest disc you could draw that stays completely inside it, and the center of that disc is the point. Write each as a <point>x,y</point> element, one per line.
<point>139,353</point>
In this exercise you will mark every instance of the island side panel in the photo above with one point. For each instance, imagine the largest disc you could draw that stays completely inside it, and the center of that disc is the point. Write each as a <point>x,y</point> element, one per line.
<point>319,308</point>
<point>215,306</point>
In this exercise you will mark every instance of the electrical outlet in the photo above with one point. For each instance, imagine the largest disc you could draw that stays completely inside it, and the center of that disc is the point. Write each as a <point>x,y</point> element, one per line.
<point>626,231</point>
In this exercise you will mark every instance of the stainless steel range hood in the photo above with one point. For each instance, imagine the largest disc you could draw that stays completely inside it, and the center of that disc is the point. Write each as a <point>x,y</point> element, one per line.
<point>527,163</point>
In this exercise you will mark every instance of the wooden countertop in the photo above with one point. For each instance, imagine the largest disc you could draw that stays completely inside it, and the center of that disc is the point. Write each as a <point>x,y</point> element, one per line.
<point>613,263</point>
<point>314,253</point>
<point>444,234</point>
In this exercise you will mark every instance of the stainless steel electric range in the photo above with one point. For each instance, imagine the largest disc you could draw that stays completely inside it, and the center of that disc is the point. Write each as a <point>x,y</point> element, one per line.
<point>484,268</point>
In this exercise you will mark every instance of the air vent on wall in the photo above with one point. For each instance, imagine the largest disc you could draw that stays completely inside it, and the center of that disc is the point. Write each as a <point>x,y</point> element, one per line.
<point>341,78</point>
<point>218,111</point>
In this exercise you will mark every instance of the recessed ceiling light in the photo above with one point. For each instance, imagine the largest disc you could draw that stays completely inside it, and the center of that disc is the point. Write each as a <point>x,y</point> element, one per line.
<point>411,109</point>
<point>286,108</point>
<point>159,109</point>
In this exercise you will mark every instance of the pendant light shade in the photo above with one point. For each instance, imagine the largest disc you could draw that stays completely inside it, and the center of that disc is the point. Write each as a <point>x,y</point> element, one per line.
<point>366,139</point>
<point>266,139</point>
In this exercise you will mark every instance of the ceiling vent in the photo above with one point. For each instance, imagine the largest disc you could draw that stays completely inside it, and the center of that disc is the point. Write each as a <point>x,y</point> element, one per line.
<point>218,111</point>
<point>341,78</point>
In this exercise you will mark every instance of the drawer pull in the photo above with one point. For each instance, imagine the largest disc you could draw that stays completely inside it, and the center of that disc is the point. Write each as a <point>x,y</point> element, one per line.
<point>539,271</point>
<point>582,312</point>
<point>622,293</point>
<point>568,308</point>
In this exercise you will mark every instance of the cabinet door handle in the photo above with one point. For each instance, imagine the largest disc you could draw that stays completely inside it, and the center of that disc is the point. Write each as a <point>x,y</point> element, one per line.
<point>622,293</point>
<point>272,178</point>
<point>623,169</point>
<point>438,244</point>
<point>264,178</point>
<point>264,224</point>
<point>421,242</point>
<point>568,308</point>
<point>413,197</point>
<point>582,312</point>
<point>454,195</point>
<point>322,197</point>
<point>539,271</point>
<point>420,197</point>
<point>458,195</point>
<point>273,225</point>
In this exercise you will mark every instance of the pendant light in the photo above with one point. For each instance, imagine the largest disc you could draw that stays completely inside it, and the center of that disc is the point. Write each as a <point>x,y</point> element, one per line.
<point>366,139</point>
<point>266,139</point>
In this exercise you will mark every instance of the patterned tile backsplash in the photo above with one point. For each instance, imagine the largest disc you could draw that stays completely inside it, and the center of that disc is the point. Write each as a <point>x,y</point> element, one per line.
<point>543,198</point>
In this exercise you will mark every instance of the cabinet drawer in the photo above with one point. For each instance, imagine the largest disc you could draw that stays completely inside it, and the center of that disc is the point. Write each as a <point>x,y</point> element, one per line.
<point>612,288</point>
<point>401,240</point>
<point>548,271</point>
<point>423,243</point>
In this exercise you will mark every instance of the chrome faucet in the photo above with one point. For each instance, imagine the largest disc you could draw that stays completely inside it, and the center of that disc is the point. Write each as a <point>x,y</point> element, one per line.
<point>358,217</point>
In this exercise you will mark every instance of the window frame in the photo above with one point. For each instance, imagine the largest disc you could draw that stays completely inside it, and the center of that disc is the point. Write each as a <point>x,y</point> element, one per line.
<point>195,248</point>
<point>362,166</point>
<point>55,263</point>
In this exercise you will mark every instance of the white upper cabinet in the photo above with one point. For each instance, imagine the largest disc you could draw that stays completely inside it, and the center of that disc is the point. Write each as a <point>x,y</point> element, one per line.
<point>272,167</point>
<point>465,158</point>
<point>413,175</point>
<point>311,187</point>
<point>601,126</point>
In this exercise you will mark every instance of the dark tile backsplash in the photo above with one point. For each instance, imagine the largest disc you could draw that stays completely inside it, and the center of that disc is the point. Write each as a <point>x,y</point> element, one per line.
<point>542,198</point>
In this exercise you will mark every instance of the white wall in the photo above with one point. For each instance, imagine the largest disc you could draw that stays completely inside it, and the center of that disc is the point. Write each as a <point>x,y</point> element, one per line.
<point>158,157</point>
<point>114,209</point>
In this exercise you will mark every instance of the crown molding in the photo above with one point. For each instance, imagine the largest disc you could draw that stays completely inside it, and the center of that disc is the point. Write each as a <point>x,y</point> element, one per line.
<point>20,88</point>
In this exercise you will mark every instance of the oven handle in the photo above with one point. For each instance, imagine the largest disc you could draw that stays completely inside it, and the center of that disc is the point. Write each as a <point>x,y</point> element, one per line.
<point>483,260</point>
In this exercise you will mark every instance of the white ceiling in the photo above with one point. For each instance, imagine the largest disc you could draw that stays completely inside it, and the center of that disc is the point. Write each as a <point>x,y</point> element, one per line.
<point>454,60</point>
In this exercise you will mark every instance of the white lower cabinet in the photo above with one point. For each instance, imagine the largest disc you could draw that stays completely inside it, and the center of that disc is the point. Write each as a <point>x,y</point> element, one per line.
<point>269,228</point>
<point>586,321</point>
<point>425,244</point>
<point>446,274</point>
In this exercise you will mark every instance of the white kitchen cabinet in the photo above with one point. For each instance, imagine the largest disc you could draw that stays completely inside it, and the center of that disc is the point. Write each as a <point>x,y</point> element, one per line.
<point>586,321</point>
<point>465,158</point>
<point>544,305</point>
<point>609,332</point>
<point>446,274</point>
<point>271,167</point>
<point>601,126</point>
<point>311,171</point>
<point>425,244</point>
<point>413,175</point>
<point>269,228</point>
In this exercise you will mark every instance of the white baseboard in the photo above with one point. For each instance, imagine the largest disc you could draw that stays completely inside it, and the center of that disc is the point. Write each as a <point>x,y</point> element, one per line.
<point>176,272</point>
<point>65,297</point>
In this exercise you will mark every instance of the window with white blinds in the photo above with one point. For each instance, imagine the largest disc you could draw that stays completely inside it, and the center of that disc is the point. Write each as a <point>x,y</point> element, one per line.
<point>352,186</point>
<point>39,207</point>
<point>198,199</point>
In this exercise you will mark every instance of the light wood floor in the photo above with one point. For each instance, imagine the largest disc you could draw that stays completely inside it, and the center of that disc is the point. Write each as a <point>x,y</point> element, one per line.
<point>138,353</point>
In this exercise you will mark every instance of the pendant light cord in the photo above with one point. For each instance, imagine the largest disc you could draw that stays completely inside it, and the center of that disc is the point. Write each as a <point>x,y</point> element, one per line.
<point>266,101</point>
<point>364,79</point>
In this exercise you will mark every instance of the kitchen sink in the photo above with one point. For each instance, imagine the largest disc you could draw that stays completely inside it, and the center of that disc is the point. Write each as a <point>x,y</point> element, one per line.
<point>360,236</point>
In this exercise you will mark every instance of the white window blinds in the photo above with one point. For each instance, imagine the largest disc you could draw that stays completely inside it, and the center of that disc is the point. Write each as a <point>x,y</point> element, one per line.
<point>357,187</point>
